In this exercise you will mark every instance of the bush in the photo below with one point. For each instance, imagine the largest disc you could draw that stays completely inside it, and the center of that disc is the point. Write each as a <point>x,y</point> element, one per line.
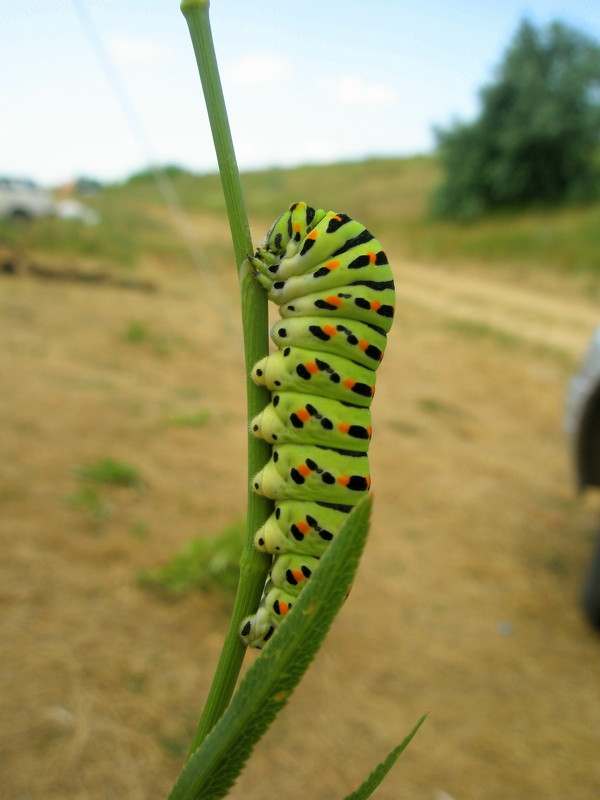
<point>537,136</point>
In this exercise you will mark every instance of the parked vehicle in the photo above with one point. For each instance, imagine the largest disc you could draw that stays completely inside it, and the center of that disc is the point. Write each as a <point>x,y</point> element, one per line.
<point>22,199</point>
<point>582,422</point>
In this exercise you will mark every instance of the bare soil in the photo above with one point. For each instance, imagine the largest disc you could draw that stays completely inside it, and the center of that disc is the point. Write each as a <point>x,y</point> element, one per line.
<point>465,606</point>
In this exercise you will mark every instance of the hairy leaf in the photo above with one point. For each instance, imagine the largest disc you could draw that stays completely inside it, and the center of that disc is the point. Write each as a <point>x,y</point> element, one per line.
<point>382,769</point>
<point>269,682</point>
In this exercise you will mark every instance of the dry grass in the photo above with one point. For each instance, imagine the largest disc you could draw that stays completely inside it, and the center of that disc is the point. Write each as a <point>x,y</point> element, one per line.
<point>465,605</point>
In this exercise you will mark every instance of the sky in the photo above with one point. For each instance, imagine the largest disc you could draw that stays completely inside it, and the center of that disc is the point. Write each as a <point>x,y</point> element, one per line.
<point>102,88</point>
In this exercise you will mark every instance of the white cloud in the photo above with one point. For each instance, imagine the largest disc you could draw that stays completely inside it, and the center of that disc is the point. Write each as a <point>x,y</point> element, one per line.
<point>355,91</point>
<point>255,150</point>
<point>255,70</point>
<point>137,50</point>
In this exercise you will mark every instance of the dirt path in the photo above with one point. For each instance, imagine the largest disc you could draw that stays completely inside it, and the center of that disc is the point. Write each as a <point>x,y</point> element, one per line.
<point>530,314</point>
<point>465,606</point>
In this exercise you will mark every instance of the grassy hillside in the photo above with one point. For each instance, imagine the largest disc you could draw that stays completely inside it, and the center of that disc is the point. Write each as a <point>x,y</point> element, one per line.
<point>390,195</point>
<point>123,431</point>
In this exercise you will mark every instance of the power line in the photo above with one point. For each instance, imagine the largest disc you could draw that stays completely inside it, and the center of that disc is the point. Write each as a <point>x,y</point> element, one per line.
<point>164,183</point>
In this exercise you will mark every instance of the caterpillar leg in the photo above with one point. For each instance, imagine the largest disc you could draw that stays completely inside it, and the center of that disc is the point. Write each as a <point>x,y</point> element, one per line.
<point>260,269</point>
<point>257,629</point>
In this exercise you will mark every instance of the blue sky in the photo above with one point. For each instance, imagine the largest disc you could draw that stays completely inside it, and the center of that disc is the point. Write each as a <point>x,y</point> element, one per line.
<point>305,82</point>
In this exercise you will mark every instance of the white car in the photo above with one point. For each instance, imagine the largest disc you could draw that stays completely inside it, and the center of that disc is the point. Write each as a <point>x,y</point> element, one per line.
<point>22,199</point>
<point>582,421</point>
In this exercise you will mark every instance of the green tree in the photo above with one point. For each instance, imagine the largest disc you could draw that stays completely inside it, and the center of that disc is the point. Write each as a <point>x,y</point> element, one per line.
<point>537,136</point>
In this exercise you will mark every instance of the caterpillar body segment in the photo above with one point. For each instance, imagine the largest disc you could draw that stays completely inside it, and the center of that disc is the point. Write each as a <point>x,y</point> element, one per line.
<point>353,340</point>
<point>290,572</point>
<point>348,302</point>
<point>305,256</point>
<point>334,286</point>
<point>292,417</point>
<point>310,472</point>
<point>295,369</point>
<point>351,269</point>
<point>337,251</point>
<point>300,526</point>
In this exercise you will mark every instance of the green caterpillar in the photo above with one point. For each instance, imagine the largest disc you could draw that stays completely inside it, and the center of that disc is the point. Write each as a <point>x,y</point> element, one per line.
<point>335,290</point>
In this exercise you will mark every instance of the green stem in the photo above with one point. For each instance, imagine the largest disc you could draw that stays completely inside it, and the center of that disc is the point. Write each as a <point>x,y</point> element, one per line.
<point>197,18</point>
<point>253,565</point>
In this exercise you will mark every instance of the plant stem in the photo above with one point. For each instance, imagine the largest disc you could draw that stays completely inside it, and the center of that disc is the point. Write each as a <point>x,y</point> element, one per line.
<point>253,565</point>
<point>197,18</point>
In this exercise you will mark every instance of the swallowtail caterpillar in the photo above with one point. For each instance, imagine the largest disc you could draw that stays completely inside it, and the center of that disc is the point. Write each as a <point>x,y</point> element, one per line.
<point>335,292</point>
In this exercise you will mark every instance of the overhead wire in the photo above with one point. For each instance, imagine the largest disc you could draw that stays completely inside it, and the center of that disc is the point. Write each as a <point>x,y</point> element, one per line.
<point>163,182</point>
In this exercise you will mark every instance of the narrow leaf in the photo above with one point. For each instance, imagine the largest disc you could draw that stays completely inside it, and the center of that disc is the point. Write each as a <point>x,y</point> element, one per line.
<point>382,769</point>
<point>267,685</point>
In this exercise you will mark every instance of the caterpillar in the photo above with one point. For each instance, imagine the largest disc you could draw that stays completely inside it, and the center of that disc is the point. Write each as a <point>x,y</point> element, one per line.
<point>335,292</point>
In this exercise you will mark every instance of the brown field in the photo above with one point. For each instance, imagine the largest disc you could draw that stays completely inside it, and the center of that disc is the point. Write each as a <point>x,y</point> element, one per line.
<point>466,603</point>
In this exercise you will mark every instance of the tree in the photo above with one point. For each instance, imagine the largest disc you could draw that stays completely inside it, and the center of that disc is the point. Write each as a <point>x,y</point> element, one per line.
<point>536,139</point>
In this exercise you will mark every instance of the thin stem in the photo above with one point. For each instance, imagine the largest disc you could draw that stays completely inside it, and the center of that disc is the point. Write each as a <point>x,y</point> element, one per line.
<point>253,565</point>
<point>197,18</point>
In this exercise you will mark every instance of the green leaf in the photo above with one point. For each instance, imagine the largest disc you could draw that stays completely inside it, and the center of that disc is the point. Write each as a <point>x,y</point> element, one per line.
<point>382,769</point>
<point>269,682</point>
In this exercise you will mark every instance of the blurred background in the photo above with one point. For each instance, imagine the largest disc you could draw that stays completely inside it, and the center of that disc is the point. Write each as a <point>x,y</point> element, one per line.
<point>466,138</point>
